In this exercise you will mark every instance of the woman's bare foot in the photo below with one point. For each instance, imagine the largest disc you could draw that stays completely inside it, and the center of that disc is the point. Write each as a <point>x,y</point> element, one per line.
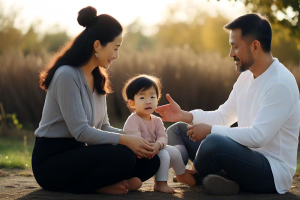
<point>134,183</point>
<point>162,186</point>
<point>187,178</point>
<point>118,188</point>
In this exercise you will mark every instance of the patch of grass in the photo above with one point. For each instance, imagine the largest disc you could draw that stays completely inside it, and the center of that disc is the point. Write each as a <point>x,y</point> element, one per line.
<point>14,153</point>
<point>298,168</point>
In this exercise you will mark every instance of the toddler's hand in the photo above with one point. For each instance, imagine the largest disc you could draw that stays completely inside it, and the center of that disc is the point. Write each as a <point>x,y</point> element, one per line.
<point>156,147</point>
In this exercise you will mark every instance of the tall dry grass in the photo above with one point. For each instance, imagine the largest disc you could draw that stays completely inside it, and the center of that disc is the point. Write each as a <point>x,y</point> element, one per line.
<point>19,90</point>
<point>193,80</point>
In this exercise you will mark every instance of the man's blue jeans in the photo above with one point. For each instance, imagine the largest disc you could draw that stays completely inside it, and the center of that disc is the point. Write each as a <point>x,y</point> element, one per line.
<point>250,169</point>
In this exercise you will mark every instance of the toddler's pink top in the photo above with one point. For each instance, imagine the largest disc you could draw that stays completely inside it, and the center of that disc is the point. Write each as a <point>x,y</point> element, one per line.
<point>152,131</point>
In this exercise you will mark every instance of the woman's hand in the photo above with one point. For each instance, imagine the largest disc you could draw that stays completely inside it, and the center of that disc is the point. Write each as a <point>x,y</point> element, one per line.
<point>138,145</point>
<point>198,132</point>
<point>170,112</point>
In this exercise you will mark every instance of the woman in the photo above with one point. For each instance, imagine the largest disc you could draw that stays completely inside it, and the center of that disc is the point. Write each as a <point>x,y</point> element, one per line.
<point>76,149</point>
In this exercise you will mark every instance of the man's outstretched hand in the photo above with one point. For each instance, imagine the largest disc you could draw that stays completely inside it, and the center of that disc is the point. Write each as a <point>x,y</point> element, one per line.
<point>170,112</point>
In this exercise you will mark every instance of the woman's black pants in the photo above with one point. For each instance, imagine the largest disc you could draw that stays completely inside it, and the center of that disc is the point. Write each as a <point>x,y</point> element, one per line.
<point>64,164</point>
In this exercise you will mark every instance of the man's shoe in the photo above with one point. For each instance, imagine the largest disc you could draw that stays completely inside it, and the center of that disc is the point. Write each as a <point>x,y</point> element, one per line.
<point>218,185</point>
<point>175,179</point>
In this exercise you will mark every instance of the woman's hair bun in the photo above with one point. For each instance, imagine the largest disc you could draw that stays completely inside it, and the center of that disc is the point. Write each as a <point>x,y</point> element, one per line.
<point>86,16</point>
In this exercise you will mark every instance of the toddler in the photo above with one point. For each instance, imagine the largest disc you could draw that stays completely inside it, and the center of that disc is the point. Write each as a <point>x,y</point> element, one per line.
<point>142,94</point>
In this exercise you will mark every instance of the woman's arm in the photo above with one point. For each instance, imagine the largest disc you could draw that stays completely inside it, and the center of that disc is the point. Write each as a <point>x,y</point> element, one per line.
<point>109,128</point>
<point>67,93</point>
<point>106,125</point>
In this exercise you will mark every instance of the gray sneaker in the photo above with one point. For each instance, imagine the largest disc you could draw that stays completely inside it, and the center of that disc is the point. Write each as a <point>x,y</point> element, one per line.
<point>218,185</point>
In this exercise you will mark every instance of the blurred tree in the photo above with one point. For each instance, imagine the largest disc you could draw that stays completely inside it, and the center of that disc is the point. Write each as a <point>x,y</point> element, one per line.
<point>202,32</point>
<point>284,45</point>
<point>12,39</point>
<point>135,38</point>
<point>197,30</point>
<point>53,41</point>
<point>30,42</point>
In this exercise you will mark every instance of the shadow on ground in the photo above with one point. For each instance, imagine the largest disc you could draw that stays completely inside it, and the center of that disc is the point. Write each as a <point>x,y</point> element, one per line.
<point>20,184</point>
<point>186,193</point>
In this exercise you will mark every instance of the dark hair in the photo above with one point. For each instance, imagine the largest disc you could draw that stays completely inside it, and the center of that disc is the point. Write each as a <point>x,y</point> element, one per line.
<point>138,83</point>
<point>79,51</point>
<point>254,27</point>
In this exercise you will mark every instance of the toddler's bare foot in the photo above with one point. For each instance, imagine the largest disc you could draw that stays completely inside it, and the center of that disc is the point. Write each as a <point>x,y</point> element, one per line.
<point>191,171</point>
<point>187,178</point>
<point>162,186</point>
<point>134,183</point>
<point>118,188</point>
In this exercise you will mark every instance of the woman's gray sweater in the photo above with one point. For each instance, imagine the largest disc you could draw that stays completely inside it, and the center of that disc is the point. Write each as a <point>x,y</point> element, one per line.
<point>70,109</point>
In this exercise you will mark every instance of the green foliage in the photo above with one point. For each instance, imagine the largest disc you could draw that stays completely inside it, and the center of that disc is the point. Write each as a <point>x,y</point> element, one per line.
<point>29,42</point>
<point>13,153</point>
<point>53,41</point>
<point>13,121</point>
<point>290,9</point>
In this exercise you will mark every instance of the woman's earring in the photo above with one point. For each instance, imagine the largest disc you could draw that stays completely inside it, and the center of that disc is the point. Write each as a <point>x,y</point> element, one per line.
<point>96,55</point>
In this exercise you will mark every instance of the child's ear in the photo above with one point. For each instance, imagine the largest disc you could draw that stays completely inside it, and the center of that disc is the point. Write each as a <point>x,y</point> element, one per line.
<point>131,103</point>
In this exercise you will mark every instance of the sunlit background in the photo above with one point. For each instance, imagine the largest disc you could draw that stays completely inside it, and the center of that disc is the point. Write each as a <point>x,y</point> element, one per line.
<point>61,15</point>
<point>180,41</point>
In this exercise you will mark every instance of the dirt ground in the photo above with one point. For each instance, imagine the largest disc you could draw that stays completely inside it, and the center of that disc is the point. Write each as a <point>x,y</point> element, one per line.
<point>20,184</point>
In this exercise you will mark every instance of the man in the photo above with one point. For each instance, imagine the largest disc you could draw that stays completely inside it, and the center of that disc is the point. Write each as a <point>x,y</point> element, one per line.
<point>260,155</point>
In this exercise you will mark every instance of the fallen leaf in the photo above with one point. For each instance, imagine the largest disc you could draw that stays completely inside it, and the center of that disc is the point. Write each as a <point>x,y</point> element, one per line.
<point>24,175</point>
<point>30,187</point>
<point>9,186</point>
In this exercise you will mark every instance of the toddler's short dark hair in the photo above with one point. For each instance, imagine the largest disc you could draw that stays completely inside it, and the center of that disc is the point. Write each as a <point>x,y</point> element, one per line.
<point>141,82</point>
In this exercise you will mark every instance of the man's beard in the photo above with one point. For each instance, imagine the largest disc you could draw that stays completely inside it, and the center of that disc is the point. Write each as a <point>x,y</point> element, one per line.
<point>246,64</point>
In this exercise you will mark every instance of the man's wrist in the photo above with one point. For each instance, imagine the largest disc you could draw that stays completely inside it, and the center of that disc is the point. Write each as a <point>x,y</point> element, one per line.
<point>210,129</point>
<point>186,116</point>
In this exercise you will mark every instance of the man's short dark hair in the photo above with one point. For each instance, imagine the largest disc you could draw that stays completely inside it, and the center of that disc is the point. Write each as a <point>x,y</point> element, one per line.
<point>254,27</point>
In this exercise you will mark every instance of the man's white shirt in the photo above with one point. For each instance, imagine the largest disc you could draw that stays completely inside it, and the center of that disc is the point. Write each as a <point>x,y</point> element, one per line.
<point>267,110</point>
